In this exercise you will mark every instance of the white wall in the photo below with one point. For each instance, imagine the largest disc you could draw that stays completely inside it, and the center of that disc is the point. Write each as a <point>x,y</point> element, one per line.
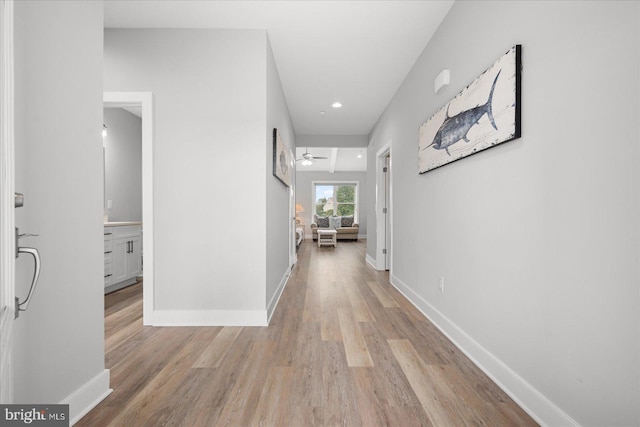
<point>537,239</point>
<point>332,140</point>
<point>58,92</point>
<point>123,165</point>
<point>210,94</point>
<point>304,195</point>
<point>279,216</point>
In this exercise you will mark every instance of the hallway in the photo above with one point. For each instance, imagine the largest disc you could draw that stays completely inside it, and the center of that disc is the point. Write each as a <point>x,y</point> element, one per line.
<point>343,348</point>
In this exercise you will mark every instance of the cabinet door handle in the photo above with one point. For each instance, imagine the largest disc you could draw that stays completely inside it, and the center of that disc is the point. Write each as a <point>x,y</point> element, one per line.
<point>108,275</point>
<point>128,243</point>
<point>107,252</point>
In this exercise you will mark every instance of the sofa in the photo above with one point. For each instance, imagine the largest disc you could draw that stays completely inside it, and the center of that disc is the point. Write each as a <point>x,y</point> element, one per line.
<point>345,226</point>
<point>299,235</point>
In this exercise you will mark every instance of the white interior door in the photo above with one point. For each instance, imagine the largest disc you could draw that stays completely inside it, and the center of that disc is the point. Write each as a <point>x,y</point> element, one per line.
<point>293,257</point>
<point>7,217</point>
<point>387,213</point>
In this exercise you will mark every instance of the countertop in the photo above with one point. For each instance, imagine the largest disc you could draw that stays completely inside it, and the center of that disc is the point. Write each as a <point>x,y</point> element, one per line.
<point>122,223</point>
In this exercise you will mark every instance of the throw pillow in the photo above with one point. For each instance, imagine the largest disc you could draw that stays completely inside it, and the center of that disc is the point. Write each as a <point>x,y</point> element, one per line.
<point>322,221</point>
<point>335,222</point>
<point>347,221</point>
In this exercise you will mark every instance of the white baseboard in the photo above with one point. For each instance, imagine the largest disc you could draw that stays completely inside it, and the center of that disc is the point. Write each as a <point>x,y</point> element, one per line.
<point>271,307</point>
<point>371,261</point>
<point>538,406</point>
<point>210,318</point>
<point>88,396</point>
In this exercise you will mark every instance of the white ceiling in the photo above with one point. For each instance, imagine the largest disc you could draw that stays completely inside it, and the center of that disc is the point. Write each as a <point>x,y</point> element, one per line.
<point>338,159</point>
<point>355,52</point>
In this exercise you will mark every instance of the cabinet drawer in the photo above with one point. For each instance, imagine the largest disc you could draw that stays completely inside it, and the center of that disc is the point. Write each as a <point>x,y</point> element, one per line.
<point>108,274</point>
<point>108,257</point>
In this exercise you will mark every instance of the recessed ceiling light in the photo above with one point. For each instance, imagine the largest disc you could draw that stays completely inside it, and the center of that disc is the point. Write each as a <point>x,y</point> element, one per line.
<point>322,112</point>
<point>359,156</point>
<point>336,105</point>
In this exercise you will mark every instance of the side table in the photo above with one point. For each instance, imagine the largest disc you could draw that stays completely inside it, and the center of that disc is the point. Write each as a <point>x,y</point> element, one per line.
<point>327,238</point>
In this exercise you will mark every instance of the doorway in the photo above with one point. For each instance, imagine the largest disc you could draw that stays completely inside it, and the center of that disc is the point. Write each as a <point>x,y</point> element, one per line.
<point>144,101</point>
<point>384,209</point>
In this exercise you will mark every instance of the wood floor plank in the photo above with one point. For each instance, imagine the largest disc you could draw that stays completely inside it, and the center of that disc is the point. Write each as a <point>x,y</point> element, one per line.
<point>361,312</point>
<point>164,385</point>
<point>209,403</point>
<point>388,380</point>
<point>355,346</point>
<point>434,397</point>
<point>343,348</point>
<point>330,327</point>
<point>340,402</point>
<point>211,356</point>
<point>370,406</point>
<point>385,298</point>
<point>119,335</point>
<point>273,407</point>
<point>245,395</point>
<point>132,375</point>
<point>312,304</point>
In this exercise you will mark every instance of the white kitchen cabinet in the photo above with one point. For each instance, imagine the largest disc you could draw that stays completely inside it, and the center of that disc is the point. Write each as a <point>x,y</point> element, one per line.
<point>126,256</point>
<point>108,258</point>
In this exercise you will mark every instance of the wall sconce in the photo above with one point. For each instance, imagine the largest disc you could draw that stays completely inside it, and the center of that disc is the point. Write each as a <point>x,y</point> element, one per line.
<point>104,131</point>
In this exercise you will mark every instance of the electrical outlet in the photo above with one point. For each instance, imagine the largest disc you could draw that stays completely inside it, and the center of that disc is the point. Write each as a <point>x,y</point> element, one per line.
<point>442,284</point>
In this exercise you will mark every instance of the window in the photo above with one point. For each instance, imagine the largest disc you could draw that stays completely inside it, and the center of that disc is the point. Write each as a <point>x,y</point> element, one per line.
<point>336,199</point>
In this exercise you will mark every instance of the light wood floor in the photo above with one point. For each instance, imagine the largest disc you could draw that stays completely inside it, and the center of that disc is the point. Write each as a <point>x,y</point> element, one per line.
<point>343,348</point>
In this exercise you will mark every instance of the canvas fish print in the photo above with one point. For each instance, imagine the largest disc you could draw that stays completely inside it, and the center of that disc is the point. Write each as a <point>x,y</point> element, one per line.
<point>483,115</point>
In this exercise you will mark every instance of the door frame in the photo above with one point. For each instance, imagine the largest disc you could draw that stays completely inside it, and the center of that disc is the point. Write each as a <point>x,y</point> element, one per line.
<point>382,153</point>
<point>144,100</point>
<point>7,203</point>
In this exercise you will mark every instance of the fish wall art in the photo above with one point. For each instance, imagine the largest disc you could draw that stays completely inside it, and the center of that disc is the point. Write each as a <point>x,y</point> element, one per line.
<point>486,113</point>
<point>282,163</point>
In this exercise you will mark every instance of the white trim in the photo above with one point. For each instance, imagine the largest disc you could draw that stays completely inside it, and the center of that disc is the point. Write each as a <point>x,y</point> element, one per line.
<point>7,209</point>
<point>210,318</point>
<point>87,396</point>
<point>371,261</point>
<point>271,307</point>
<point>145,100</point>
<point>538,406</point>
<point>379,204</point>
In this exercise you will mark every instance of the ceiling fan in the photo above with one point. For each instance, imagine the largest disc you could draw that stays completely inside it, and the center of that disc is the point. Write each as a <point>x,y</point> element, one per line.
<point>308,157</point>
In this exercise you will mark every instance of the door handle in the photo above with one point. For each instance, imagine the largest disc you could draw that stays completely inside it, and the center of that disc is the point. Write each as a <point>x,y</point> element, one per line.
<point>22,306</point>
